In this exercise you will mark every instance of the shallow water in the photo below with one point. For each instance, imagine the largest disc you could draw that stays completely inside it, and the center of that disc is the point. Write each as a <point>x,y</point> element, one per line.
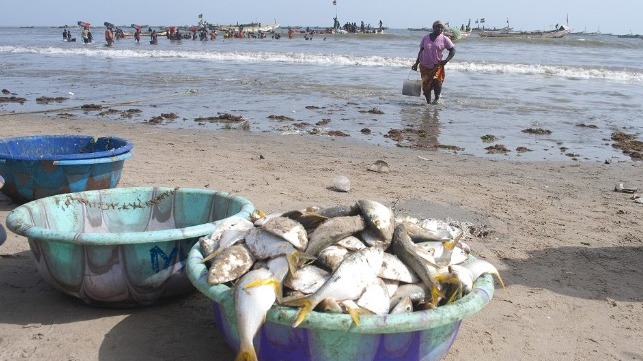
<point>494,86</point>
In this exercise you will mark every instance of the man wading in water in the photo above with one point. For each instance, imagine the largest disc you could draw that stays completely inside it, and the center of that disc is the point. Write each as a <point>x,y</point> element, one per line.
<point>430,61</point>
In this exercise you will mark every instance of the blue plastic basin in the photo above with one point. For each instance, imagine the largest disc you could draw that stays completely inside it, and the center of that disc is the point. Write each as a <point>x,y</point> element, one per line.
<point>41,166</point>
<point>62,147</point>
<point>27,180</point>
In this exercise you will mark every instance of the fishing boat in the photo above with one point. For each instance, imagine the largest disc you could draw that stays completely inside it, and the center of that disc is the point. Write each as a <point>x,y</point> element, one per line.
<point>630,36</point>
<point>559,32</point>
<point>247,28</point>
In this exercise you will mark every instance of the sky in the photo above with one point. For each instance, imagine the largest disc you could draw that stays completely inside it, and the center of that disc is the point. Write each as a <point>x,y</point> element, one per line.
<point>615,17</point>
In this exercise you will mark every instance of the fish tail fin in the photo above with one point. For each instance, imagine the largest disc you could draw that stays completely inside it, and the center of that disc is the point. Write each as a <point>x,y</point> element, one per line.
<point>306,307</point>
<point>436,294</point>
<point>293,260</point>
<point>457,294</point>
<point>451,243</point>
<point>500,279</point>
<point>354,312</point>
<point>256,215</point>
<point>270,281</point>
<point>246,355</point>
<point>273,282</point>
<point>211,255</point>
<point>296,260</point>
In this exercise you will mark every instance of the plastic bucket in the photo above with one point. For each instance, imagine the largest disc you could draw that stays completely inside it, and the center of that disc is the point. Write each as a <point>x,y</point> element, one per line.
<point>412,87</point>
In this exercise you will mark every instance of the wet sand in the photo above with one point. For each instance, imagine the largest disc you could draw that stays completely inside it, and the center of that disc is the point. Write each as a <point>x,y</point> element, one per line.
<point>569,247</point>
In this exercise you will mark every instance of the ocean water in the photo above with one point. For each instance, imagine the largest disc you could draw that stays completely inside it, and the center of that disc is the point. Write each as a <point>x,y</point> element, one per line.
<point>580,88</point>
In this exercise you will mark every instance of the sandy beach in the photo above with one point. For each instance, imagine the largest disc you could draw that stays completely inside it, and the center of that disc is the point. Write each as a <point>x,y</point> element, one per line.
<point>569,247</point>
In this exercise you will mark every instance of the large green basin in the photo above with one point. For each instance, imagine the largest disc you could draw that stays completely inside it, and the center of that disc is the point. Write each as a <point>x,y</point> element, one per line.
<point>124,246</point>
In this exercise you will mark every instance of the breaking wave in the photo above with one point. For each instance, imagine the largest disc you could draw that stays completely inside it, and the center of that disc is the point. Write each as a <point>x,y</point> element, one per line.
<point>320,59</point>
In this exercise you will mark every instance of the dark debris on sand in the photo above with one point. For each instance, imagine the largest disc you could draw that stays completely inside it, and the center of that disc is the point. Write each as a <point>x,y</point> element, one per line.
<point>497,148</point>
<point>373,111</point>
<point>221,118</point>
<point>47,100</point>
<point>537,131</point>
<point>628,144</point>
<point>12,99</point>
<point>91,107</point>
<point>281,118</point>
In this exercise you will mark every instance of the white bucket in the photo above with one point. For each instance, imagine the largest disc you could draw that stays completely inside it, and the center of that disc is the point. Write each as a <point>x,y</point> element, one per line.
<point>412,87</point>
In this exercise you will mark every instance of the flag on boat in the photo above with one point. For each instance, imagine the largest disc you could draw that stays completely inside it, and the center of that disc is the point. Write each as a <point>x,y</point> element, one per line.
<point>334,2</point>
<point>482,20</point>
<point>200,16</point>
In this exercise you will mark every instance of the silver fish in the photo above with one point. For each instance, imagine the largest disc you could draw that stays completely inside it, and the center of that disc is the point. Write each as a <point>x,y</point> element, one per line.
<point>416,292</point>
<point>458,275</point>
<point>348,282</point>
<point>230,264</point>
<point>420,234</point>
<point>280,268</point>
<point>372,238</point>
<point>404,305</point>
<point>307,279</point>
<point>407,252</point>
<point>332,256</point>
<point>226,225</point>
<point>380,219</point>
<point>458,254</point>
<point>330,305</point>
<point>264,245</point>
<point>228,238</point>
<point>331,231</point>
<point>263,218</point>
<point>254,294</point>
<point>308,218</point>
<point>375,298</point>
<point>351,243</point>
<point>339,211</point>
<point>479,267</point>
<point>288,229</point>
<point>207,246</point>
<point>391,285</point>
<point>394,269</point>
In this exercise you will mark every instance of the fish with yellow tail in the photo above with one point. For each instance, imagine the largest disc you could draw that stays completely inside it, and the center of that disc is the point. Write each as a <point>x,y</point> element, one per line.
<point>347,282</point>
<point>410,254</point>
<point>254,294</point>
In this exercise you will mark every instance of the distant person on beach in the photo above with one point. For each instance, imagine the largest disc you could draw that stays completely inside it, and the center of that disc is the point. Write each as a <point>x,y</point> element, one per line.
<point>109,36</point>
<point>85,35</point>
<point>137,35</point>
<point>430,61</point>
<point>65,34</point>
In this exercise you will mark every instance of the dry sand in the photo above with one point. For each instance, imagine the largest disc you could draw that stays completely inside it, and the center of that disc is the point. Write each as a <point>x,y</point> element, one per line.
<point>568,246</point>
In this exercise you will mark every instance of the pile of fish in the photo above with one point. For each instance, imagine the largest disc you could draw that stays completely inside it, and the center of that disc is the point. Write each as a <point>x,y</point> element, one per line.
<point>357,259</point>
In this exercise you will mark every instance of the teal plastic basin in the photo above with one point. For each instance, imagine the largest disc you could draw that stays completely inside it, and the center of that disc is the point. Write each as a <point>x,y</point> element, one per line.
<point>125,246</point>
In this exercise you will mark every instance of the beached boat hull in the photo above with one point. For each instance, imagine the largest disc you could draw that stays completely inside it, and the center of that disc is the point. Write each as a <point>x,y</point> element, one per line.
<point>552,34</point>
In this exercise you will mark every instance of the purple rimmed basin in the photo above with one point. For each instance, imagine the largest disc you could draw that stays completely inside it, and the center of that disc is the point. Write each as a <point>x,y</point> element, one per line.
<point>422,335</point>
<point>122,247</point>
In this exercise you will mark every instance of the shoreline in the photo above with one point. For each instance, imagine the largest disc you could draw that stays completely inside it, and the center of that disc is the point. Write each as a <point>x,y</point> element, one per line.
<point>567,245</point>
